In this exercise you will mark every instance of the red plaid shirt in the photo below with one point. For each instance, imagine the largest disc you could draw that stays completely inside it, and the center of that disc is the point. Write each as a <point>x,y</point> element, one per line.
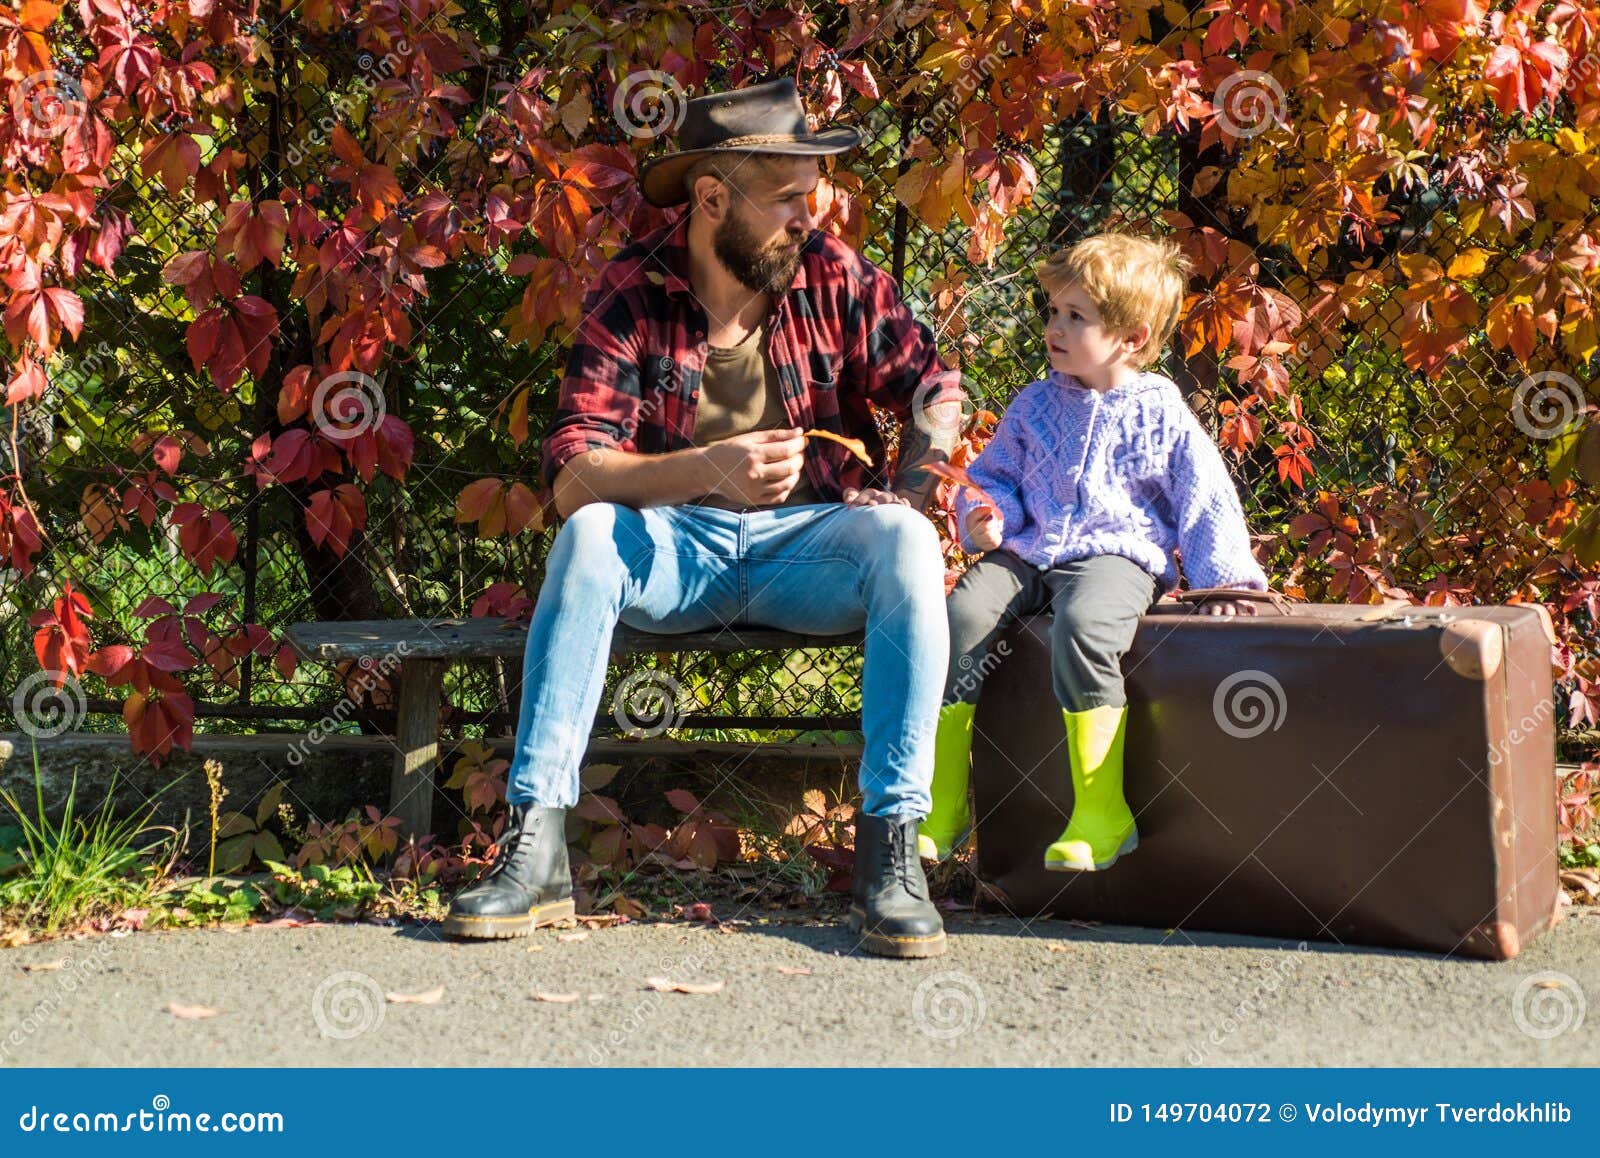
<point>840,338</point>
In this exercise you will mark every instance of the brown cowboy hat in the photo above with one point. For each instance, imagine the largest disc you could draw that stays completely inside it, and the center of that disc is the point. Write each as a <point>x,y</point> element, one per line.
<point>762,118</point>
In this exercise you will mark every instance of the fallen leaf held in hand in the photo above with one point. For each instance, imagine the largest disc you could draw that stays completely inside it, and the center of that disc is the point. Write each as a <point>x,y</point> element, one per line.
<point>854,445</point>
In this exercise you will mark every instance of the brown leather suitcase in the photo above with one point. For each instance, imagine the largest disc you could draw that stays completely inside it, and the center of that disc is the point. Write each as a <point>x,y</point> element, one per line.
<point>1376,776</point>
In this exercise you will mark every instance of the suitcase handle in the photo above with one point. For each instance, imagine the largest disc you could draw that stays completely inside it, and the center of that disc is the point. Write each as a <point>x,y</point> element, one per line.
<point>1204,595</point>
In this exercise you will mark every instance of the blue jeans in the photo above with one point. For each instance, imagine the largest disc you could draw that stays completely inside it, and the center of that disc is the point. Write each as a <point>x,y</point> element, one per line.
<point>822,568</point>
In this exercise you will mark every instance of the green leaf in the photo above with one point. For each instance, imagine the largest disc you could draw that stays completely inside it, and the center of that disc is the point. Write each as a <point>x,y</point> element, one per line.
<point>233,824</point>
<point>269,804</point>
<point>235,854</point>
<point>1561,453</point>
<point>267,847</point>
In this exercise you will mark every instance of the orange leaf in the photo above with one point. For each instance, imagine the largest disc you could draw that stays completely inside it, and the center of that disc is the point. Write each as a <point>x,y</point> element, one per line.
<point>854,445</point>
<point>959,476</point>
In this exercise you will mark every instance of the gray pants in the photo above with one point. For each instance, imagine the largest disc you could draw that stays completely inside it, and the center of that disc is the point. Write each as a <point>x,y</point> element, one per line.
<point>1096,603</point>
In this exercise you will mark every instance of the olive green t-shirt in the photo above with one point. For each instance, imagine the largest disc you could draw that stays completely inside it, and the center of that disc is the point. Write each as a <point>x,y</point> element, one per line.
<point>740,393</point>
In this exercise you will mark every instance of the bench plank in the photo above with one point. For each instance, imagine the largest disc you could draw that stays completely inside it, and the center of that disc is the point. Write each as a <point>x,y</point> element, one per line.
<point>484,638</point>
<point>431,644</point>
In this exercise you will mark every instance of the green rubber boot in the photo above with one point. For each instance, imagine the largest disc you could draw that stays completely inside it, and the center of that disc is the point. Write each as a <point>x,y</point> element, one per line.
<point>1101,827</point>
<point>949,822</point>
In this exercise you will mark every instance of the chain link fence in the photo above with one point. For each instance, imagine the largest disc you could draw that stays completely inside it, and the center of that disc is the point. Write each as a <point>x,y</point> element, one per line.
<point>93,465</point>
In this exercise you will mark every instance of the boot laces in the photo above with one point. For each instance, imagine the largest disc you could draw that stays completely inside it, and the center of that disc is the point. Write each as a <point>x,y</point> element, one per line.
<point>512,840</point>
<point>899,855</point>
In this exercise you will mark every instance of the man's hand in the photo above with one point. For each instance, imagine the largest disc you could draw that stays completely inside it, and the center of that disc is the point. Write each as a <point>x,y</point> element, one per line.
<point>985,528</point>
<point>871,498</point>
<point>757,469</point>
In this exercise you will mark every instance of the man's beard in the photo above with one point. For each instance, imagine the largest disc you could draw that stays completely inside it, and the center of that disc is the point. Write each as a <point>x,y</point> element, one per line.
<point>769,270</point>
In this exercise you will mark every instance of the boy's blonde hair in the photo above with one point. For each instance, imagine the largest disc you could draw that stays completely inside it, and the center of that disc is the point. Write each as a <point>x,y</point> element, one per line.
<point>1131,280</point>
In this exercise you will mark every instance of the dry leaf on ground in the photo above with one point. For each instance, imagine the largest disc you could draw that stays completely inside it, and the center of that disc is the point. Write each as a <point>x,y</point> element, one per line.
<point>662,985</point>
<point>191,1012</point>
<point>427,997</point>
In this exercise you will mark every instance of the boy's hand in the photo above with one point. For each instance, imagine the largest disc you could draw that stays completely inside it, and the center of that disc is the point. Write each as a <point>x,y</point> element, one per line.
<point>985,528</point>
<point>1228,607</point>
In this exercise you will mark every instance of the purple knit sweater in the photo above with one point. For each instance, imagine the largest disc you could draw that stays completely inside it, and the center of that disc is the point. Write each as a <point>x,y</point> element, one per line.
<point>1129,472</point>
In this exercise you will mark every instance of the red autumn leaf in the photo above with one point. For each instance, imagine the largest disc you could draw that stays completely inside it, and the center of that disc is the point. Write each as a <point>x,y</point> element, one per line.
<point>1523,72</point>
<point>502,600</point>
<point>499,508</point>
<point>334,515</point>
<point>387,447</point>
<point>374,185</point>
<point>205,536</point>
<point>254,232</point>
<point>40,312</point>
<point>176,157</point>
<point>1293,465</point>
<point>683,800</point>
<point>62,641</point>
<point>19,535</point>
<point>22,33</point>
<point>203,277</point>
<point>158,723</point>
<point>28,383</point>
<point>960,477</point>
<point>231,338</point>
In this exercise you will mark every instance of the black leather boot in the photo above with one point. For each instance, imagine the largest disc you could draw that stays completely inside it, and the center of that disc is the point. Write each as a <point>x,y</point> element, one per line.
<point>529,884</point>
<point>890,906</point>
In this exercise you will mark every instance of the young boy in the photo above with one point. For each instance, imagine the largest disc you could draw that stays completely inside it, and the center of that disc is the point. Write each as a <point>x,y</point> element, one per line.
<point>1098,472</point>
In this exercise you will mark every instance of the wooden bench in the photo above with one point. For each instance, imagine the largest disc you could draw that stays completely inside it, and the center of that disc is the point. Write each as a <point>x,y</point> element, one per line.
<point>423,648</point>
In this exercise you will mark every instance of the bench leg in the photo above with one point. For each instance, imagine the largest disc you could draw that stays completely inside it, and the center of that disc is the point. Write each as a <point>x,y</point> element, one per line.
<point>416,745</point>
